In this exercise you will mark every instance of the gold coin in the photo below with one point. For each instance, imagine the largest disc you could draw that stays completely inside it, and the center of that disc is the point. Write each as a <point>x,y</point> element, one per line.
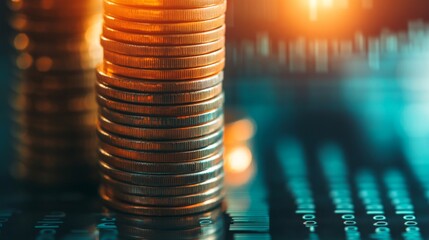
<point>161,133</point>
<point>164,62</point>
<point>154,86</point>
<point>164,15</point>
<point>169,74</point>
<point>162,51</point>
<point>165,39</point>
<point>169,3</point>
<point>159,98</point>
<point>163,110</point>
<point>163,28</point>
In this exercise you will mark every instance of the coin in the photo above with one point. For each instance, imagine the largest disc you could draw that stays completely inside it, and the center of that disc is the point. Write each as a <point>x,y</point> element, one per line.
<point>161,133</point>
<point>25,23</point>
<point>154,86</point>
<point>161,122</point>
<point>160,167</point>
<point>164,157</point>
<point>169,74</point>
<point>163,28</point>
<point>156,98</point>
<point>175,201</point>
<point>163,191</point>
<point>77,104</point>
<point>164,51</point>
<point>165,14</point>
<point>169,3</point>
<point>164,62</point>
<point>160,211</point>
<point>160,146</point>
<point>163,110</point>
<point>170,222</point>
<point>161,180</point>
<point>75,62</point>
<point>164,39</point>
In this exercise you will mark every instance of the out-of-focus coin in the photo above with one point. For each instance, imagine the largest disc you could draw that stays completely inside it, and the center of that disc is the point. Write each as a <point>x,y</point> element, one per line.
<point>160,211</point>
<point>161,167</point>
<point>164,51</point>
<point>53,6</point>
<point>155,86</point>
<point>44,122</point>
<point>164,191</point>
<point>160,122</point>
<point>165,62</point>
<point>161,133</point>
<point>53,178</point>
<point>74,62</point>
<point>160,146</point>
<point>165,39</point>
<point>169,3</point>
<point>24,23</point>
<point>164,157</point>
<point>163,28</point>
<point>77,104</point>
<point>84,143</point>
<point>159,99</point>
<point>29,152</point>
<point>164,15</point>
<point>176,201</point>
<point>163,110</point>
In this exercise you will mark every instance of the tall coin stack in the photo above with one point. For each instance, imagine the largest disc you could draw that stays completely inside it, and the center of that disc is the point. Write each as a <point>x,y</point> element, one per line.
<point>54,99</point>
<point>161,106</point>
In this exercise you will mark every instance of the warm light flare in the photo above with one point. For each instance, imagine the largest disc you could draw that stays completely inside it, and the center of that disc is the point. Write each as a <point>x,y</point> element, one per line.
<point>238,159</point>
<point>239,131</point>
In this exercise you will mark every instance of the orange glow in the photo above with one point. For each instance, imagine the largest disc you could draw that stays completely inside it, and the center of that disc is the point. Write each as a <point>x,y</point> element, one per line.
<point>239,131</point>
<point>239,165</point>
<point>238,159</point>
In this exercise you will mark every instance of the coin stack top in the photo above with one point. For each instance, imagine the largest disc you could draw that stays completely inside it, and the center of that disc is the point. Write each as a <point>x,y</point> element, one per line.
<point>160,95</point>
<point>54,97</point>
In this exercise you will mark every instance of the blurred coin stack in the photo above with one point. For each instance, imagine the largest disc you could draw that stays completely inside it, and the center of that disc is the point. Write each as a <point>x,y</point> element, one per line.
<point>161,106</point>
<point>54,99</point>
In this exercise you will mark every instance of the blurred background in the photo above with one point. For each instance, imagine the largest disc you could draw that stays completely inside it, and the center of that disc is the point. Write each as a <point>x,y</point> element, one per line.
<point>330,88</point>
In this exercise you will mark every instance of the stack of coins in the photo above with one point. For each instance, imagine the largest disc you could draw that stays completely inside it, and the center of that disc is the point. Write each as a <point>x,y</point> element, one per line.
<point>54,97</point>
<point>161,106</point>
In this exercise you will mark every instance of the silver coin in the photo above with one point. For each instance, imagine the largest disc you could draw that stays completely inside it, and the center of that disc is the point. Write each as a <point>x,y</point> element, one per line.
<point>160,146</point>
<point>160,167</point>
<point>158,180</point>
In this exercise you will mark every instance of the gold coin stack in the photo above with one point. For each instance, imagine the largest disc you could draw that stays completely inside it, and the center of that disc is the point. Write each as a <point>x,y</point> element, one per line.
<point>161,106</point>
<point>54,97</point>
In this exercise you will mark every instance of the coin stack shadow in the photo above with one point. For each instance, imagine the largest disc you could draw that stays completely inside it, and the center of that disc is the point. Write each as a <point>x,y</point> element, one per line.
<point>54,98</point>
<point>161,106</point>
